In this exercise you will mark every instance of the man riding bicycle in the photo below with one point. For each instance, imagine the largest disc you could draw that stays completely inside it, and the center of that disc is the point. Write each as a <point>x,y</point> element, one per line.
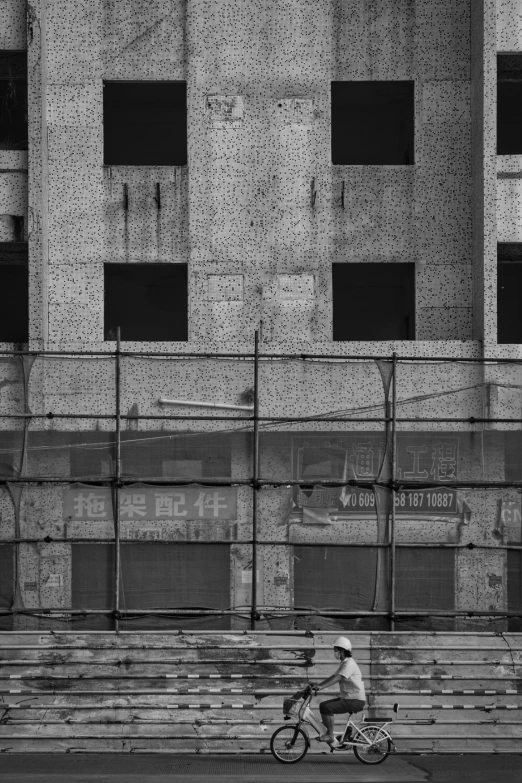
<point>352,694</point>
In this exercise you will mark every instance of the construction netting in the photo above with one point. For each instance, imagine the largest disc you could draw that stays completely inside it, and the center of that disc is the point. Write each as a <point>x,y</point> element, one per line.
<point>218,492</point>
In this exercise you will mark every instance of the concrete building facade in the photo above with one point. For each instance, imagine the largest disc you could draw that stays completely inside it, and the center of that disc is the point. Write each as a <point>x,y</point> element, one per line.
<point>331,182</point>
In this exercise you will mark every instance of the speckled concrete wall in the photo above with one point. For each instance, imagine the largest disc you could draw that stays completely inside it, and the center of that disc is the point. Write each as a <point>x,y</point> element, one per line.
<point>509,167</point>
<point>484,96</point>
<point>13,25</point>
<point>509,25</point>
<point>260,198</point>
<point>13,163</point>
<point>259,215</point>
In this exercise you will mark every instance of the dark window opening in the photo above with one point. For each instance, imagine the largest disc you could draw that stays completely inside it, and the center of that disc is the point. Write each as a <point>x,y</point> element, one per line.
<point>147,301</point>
<point>373,123</point>
<point>334,578</point>
<point>14,313</point>
<point>145,123</point>
<point>512,456</point>
<point>514,588</point>
<point>338,579</point>
<point>318,463</point>
<point>424,579</point>
<point>13,100</point>
<point>344,578</point>
<point>11,444</point>
<point>373,301</point>
<point>154,576</point>
<point>161,456</point>
<point>6,584</point>
<point>509,104</point>
<point>509,294</point>
<point>156,455</point>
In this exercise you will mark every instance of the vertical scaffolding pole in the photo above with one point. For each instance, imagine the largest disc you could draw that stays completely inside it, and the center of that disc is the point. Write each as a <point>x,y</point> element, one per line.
<point>117,481</point>
<point>255,480</point>
<point>393,480</point>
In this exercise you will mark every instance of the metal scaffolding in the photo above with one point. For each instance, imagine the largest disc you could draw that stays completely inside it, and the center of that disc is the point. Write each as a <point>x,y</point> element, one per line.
<point>388,480</point>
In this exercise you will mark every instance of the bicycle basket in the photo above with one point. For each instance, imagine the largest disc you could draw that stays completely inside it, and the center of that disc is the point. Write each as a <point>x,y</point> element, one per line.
<point>291,707</point>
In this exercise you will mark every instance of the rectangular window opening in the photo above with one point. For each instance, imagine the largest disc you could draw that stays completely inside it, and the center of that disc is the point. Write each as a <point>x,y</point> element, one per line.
<point>424,578</point>
<point>149,302</point>
<point>509,104</point>
<point>145,123</point>
<point>373,123</point>
<point>509,293</point>
<point>157,455</point>
<point>373,301</point>
<point>6,584</point>
<point>14,313</point>
<point>13,100</point>
<point>514,587</point>
<point>154,575</point>
<point>338,578</point>
<point>154,455</point>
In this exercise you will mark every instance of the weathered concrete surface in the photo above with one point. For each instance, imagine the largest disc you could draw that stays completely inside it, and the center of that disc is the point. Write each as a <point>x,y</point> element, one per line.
<point>509,25</point>
<point>202,692</point>
<point>243,206</point>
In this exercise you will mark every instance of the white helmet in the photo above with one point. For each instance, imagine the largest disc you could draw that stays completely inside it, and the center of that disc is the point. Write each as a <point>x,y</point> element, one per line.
<point>343,642</point>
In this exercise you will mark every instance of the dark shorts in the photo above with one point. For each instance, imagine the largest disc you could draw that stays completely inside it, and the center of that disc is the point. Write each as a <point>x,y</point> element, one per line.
<point>339,706</point>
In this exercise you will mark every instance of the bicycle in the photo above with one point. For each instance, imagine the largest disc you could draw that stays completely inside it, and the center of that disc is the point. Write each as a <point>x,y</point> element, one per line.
<point>371,744</point>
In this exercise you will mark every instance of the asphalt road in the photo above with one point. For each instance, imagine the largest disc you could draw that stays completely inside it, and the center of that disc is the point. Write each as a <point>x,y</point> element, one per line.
<point>160,768</point>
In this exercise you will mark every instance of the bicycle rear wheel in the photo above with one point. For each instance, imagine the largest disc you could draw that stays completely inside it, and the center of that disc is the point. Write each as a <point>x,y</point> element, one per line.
<point>378,749</point>
<point>289,744</point>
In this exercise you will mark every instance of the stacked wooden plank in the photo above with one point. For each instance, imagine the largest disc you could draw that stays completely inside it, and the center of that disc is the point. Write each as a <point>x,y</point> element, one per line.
<point>219,692</point>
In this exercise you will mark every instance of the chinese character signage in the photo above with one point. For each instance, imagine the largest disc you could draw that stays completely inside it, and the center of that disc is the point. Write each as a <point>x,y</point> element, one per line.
<point>429,458</point>
<point>359,500</point>
<point>511,517</point>
<point>148,503</point>
<point>420,458</point>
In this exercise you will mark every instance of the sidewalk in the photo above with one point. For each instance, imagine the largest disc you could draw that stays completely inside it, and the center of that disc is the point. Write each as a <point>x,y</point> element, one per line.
<point>150,768</point>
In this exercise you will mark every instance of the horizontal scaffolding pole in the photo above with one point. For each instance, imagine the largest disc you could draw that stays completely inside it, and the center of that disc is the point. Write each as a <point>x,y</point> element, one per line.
<point>263,482</point>
<point>267,611</point>
<point>321,418</point>
<point>249,542</point>
<point>479,360</point>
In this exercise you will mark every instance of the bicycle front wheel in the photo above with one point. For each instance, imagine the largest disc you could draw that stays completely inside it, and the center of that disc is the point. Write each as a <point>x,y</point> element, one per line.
<point>378,748</point>
<point>289,744</point>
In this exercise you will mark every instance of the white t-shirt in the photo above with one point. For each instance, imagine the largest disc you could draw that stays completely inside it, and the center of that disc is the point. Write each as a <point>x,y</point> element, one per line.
<point>351,684</point>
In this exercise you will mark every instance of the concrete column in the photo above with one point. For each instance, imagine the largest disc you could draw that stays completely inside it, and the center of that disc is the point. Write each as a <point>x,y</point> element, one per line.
<point>483,119</point>
<point>509,25</point>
